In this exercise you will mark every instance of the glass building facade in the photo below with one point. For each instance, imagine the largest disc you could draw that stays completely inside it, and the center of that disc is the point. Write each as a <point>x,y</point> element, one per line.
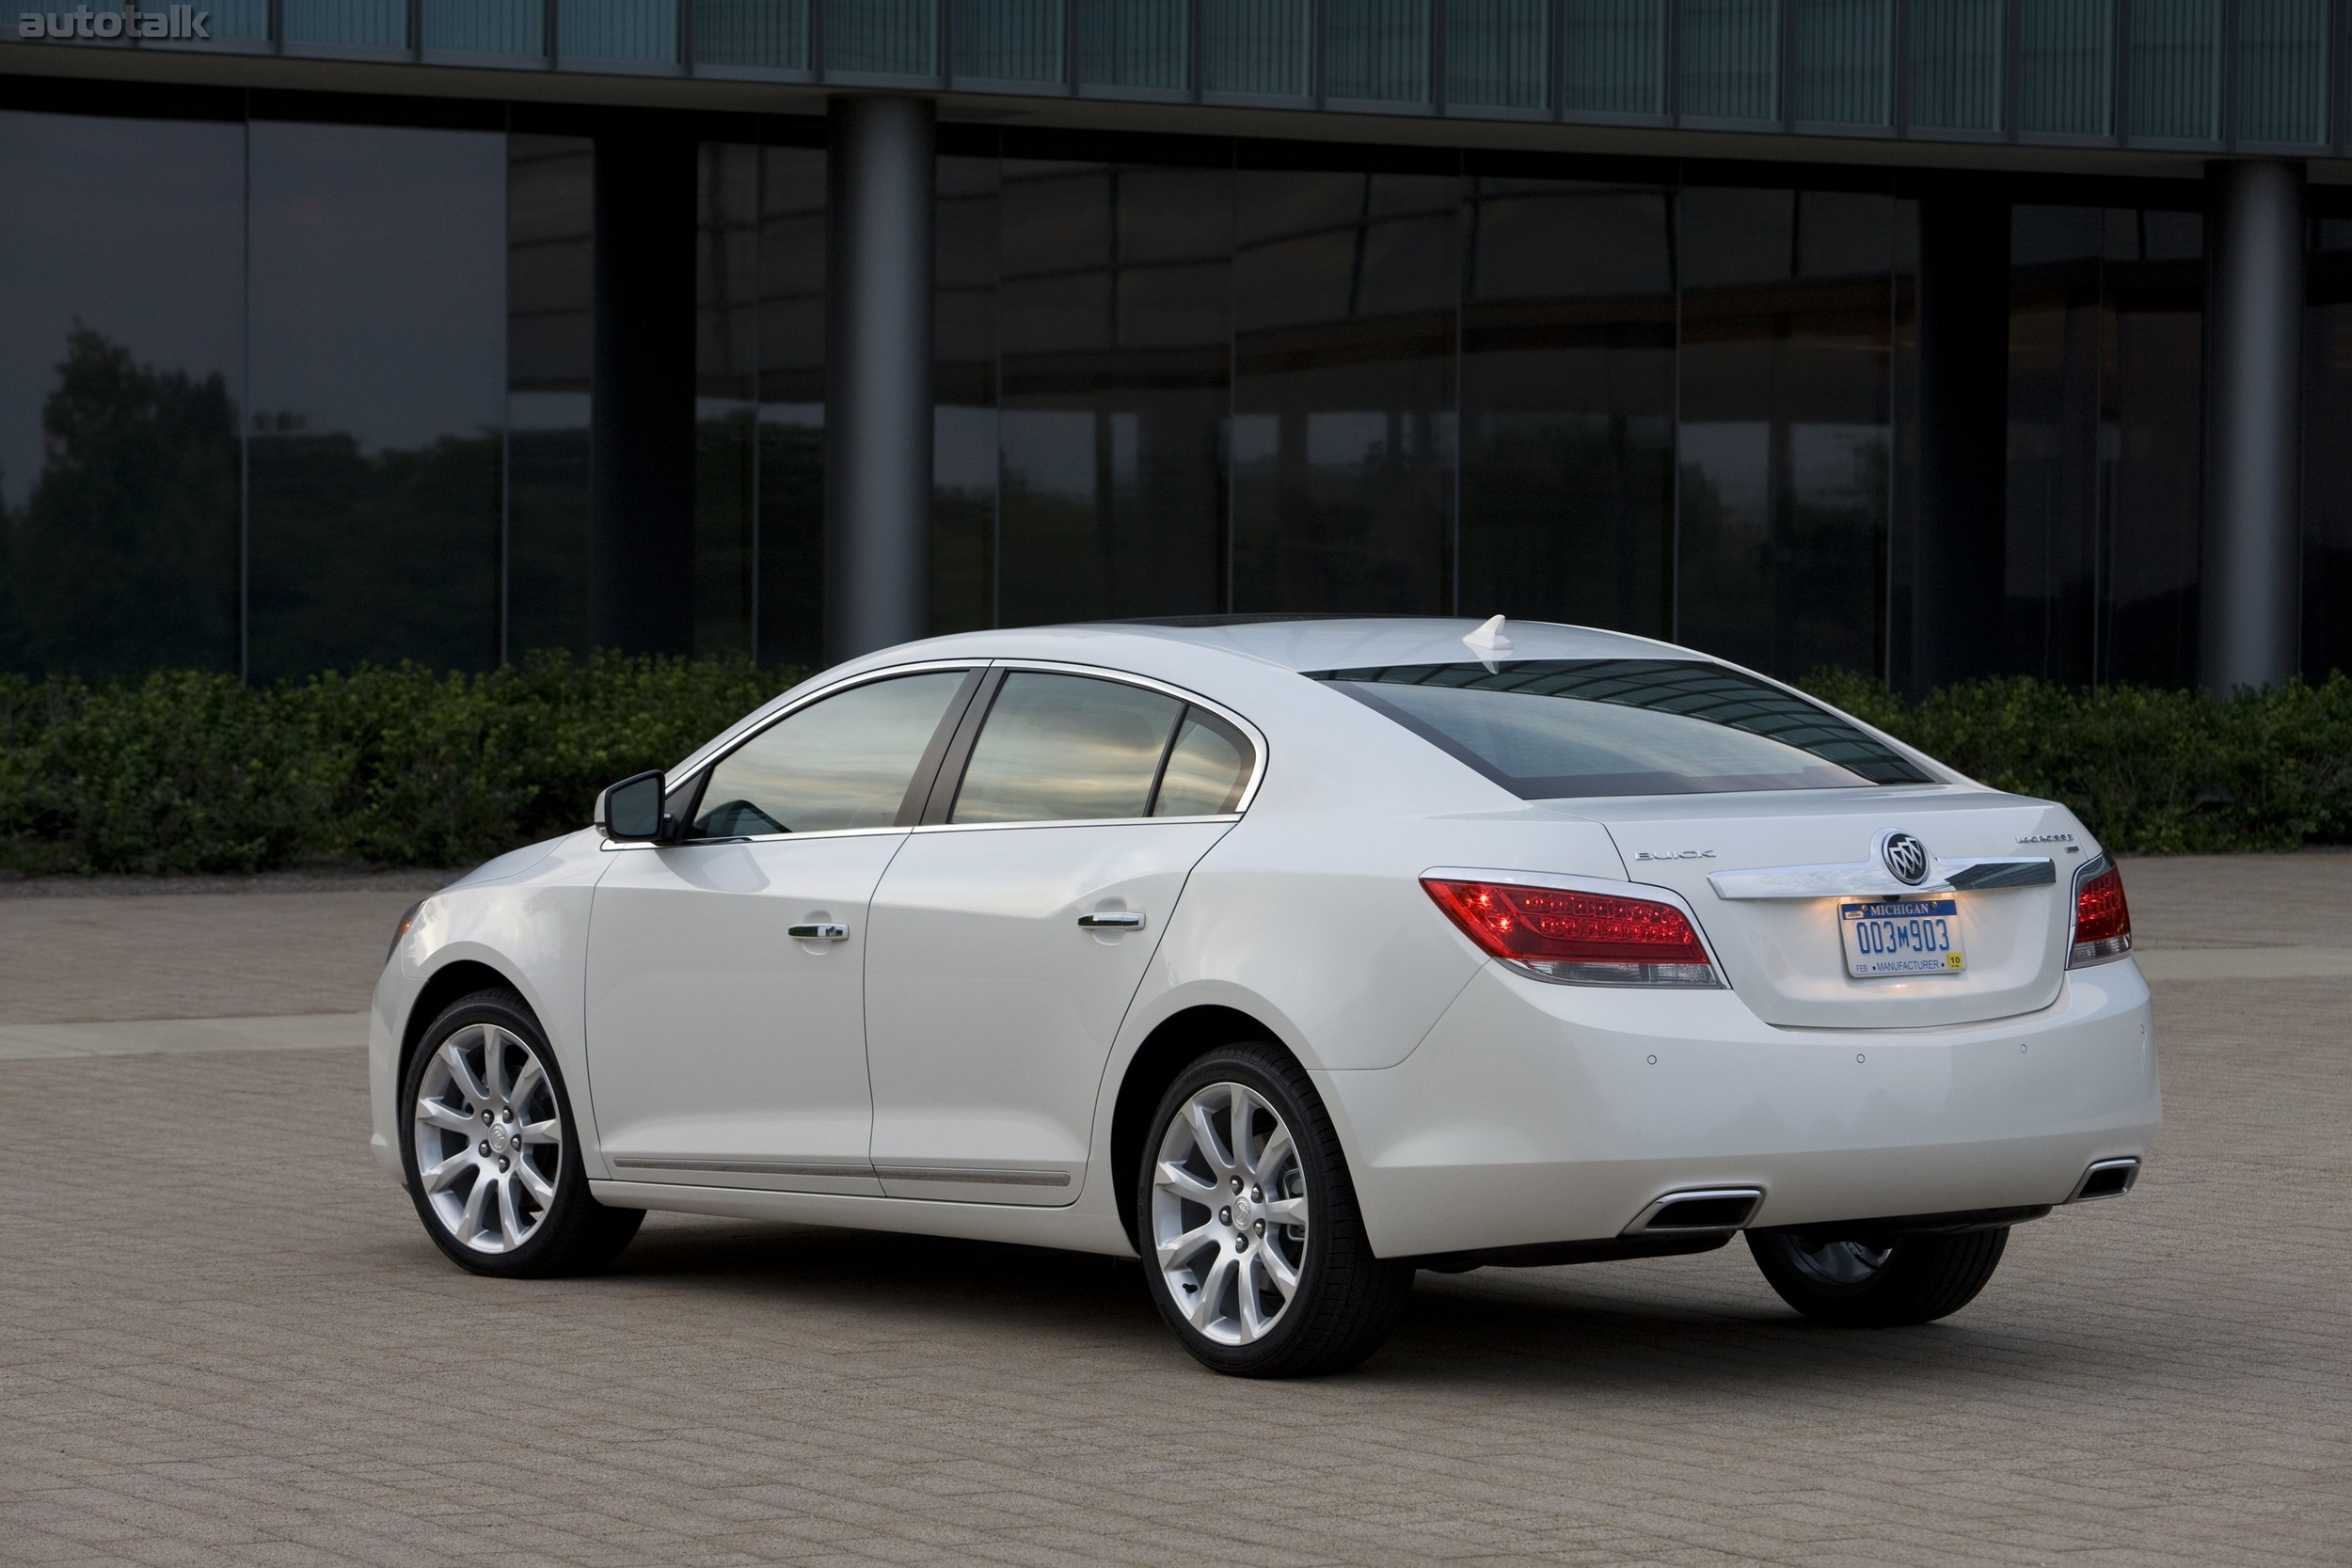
<point>295,381</point>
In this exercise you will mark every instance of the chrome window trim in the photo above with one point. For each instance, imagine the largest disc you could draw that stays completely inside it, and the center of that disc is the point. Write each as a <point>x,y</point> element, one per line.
<point>785,704</point>
<point>1250,732</point>
<point>760,720</point>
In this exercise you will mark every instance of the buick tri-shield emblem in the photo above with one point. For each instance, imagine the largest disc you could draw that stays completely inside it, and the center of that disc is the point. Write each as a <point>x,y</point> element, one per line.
<point>1905,856</point>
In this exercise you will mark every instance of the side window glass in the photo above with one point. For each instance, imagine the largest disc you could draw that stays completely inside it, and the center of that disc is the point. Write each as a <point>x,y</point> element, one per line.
<point>1066,748</point>
<point>843,762</point>
<point>1206,768</point>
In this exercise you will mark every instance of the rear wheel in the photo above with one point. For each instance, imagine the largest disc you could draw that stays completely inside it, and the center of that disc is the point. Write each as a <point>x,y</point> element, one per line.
<point>492,1154</point>
<point>1254,1250</point>
<point>1863,1281</point>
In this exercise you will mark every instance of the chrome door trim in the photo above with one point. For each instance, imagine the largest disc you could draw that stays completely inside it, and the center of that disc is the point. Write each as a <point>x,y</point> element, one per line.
<point>744,1168</point>
<point>1112,920</point>
<point>976,1175</point>
<point>986,1176</point>
<point>1871,880</point>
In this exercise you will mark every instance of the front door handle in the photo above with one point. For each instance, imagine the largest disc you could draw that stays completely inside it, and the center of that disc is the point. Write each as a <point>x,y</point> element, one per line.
<point>823,931</point>
<point>1113,920</point>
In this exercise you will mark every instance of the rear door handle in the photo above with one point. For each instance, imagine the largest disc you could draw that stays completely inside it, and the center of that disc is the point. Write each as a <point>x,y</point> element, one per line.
<point>1113,920</point>
<point>825,930</point>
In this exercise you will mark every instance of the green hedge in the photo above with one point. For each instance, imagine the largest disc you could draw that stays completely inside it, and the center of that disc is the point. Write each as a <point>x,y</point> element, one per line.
<point>2150,771</point>
<point>409,766</point>
<point>185,771</point>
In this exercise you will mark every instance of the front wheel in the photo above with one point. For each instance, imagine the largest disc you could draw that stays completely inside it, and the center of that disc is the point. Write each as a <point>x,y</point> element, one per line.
<point>1863,1281</point>
<point>1254,1250</point>
<point>492,1156</point>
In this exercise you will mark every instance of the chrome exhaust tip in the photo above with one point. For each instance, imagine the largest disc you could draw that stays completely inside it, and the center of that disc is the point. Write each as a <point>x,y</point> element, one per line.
<point>1701,1209</point>
<point>2105,1178</point>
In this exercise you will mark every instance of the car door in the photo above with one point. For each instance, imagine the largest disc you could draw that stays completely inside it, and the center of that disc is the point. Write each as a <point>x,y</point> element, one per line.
<point>1010,931</point>
<point>725,995</point>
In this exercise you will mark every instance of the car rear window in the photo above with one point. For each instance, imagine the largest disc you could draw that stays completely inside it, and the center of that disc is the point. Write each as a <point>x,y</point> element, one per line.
<point>1549,728</point>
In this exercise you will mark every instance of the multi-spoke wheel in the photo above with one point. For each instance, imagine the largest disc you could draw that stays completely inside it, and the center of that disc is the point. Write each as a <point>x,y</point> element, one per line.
<point>489,1138</point>
<point>1254,1248</point>
<point>492,1162</point>
<point>1861,1280</point>
<point>1228,1214</point>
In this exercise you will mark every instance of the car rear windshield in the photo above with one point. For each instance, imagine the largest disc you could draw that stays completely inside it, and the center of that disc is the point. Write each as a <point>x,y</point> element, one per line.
<point>1548,728</point>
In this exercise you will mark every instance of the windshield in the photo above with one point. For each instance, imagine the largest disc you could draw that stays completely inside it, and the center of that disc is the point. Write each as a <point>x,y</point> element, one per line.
<point>1548,728</point>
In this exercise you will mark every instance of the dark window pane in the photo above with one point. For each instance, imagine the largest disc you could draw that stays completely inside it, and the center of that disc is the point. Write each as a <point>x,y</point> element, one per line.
<point>1066,748</point>
<point>1786,436</point>
<point>377,393</point>
<point>1568,403</point>
<point>726,383</point>
<point>963,426</point>
<point>1114,315</point>
<point>549,341</point>
<point>2327,453</point>
<point>119,379</point>
<point>1206,773</point>
<point>1342,441</point>
<point>1548,728</point>
<point>792,403</point>
<point>843,762</point>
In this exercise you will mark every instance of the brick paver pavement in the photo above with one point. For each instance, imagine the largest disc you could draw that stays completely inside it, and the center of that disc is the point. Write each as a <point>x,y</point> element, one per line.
<point>224,1339</point>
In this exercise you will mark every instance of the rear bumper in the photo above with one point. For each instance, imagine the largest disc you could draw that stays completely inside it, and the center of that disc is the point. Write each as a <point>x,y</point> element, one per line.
<point>1535,1112</point>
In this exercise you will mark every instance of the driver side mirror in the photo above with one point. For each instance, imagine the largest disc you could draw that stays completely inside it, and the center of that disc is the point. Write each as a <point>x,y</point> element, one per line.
<point>630,812</point>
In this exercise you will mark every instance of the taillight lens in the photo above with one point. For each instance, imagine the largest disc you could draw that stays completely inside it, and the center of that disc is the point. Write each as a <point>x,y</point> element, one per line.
<point>2103,921</point>
<point>1583,938</point>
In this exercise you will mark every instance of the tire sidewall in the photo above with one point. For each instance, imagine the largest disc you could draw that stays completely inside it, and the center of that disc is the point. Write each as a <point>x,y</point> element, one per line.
<point>1251,1065</point>
<point>507,1011</point>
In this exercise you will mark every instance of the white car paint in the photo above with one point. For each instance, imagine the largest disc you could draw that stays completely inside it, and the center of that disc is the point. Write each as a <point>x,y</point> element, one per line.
<point>1478,1107</point>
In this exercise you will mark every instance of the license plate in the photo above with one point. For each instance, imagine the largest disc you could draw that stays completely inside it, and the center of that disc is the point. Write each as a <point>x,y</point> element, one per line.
<point>1909,935</point>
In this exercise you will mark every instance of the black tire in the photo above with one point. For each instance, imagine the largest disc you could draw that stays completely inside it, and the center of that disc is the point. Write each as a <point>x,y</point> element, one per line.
<point>1852,1280</point>
<point>1346,1299</point>
<point>574,1233</point>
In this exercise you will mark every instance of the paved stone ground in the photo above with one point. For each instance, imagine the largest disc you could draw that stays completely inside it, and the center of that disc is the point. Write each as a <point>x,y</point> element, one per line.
<point>224,1339</point>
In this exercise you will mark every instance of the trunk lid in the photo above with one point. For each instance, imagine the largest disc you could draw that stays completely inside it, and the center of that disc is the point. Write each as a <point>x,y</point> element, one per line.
<point>1766,876</point>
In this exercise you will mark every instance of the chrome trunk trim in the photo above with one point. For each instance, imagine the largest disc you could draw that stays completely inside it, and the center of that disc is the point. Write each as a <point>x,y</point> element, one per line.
<point>1871,880</point>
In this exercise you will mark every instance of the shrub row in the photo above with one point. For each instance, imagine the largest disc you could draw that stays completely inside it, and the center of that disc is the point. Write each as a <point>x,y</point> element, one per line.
<point>2150,771</point>
<point>187,772</point>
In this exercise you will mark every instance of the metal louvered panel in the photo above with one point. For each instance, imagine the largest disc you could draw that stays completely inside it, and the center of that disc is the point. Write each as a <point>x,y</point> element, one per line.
<point>2066,68</point>
<point>1614,57</point>
<point>1495,51</point>
<point>1377,50</point>
<point>1845,53</point>
<point>1956,64</point>
<point>1009,41</point>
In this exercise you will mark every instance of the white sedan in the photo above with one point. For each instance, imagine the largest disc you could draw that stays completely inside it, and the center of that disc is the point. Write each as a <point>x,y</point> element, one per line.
<point>1290,955</point>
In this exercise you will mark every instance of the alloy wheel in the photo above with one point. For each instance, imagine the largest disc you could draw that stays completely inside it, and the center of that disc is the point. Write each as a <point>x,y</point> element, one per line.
<point>1228,1214</point>
<point>489,1138</point>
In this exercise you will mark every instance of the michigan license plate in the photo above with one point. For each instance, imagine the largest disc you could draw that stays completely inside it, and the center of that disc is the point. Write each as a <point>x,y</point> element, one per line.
<point>1909,935</point>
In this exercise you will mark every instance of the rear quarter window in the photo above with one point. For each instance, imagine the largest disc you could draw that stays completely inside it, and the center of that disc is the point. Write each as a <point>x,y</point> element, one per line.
<point>1547,729</point>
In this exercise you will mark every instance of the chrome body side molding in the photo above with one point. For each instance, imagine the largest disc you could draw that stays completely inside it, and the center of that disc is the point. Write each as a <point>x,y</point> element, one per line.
<point>979,1175</point>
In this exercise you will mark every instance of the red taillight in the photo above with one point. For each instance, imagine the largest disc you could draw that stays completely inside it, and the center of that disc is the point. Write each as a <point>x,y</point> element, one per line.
<point>2103,921</point>
<point>1594,939</point>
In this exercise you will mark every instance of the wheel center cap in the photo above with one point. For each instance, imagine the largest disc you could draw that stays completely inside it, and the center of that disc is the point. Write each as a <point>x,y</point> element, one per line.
<point>499,1139</point>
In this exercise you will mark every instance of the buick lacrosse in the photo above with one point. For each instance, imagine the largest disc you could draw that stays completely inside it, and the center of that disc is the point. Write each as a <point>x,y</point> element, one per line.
<point>1290,955</point>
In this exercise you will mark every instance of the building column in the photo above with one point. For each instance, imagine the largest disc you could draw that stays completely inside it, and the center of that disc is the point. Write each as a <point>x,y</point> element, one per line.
<point>640,420</point>
<point>878,374</point>
<point>2252,589</point>
<point>1962,532</point>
